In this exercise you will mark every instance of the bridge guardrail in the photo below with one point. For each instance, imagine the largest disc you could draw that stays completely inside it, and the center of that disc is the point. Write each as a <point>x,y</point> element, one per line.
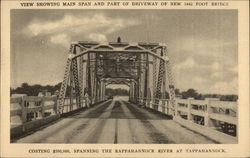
<point>71,106</point>
<point>211,113</point>
<point>29,108</point>
<point>32,107</point>
<point>30,112</point>
<point>161,105</point>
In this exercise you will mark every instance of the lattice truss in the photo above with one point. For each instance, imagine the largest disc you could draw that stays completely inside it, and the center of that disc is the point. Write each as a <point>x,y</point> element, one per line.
<point>91,66</point>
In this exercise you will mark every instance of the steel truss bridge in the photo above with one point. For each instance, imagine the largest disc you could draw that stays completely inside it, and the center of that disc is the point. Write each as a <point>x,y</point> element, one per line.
<point>151,114</point>
<point>91,66</point>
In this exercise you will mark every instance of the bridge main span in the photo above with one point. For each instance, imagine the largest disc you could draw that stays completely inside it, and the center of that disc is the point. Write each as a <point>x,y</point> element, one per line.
<point>144,67</point>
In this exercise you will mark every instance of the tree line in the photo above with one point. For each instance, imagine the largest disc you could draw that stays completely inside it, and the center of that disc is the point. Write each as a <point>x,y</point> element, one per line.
<point>192,93</point>
<point>33,90</point>
<point>118,92</point>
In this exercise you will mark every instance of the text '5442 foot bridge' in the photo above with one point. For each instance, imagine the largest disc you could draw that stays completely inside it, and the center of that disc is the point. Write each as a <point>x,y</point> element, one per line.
<point>144,67</point>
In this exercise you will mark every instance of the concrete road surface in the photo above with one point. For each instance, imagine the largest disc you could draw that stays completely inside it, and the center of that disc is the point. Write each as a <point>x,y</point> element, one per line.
<point>116,122</point>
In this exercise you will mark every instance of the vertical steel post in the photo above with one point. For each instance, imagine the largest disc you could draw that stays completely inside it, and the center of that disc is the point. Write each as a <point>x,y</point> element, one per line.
<point>80,76</point>
<point>71,90</point>
<point>88,82</point>
<point>170,82</point>
<point>66,78</point>
<point>139,87</point>
<point>164,83</point>
<point>130,91</point>
<point>159,81</point>
<point>76,83</point>
<point>97,86</point>
<point>146,76</point>
<point>133,91</point>
<point>155,81</point>
<point>103,90</point>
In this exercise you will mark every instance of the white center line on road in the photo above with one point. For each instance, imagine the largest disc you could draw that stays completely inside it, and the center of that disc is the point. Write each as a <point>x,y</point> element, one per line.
<point>93,131</point>
<point>138,133</point>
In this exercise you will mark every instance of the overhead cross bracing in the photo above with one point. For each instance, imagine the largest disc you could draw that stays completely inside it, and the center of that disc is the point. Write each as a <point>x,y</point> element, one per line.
<point>91,66</point>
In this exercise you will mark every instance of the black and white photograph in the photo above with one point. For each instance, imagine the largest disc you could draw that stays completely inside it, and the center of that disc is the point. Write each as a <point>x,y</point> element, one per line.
<point>131,76</point>
<point>154,78</point>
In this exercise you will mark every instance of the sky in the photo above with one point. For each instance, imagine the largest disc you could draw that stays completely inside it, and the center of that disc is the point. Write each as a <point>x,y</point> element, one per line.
<point>202,44</point>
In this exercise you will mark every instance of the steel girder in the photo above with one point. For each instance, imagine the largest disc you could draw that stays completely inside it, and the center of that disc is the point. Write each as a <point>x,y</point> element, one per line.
<point>95,88</point>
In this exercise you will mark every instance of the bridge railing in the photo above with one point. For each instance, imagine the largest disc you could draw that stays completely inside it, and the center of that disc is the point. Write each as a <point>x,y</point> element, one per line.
<point>70,104</point>
<point>29,112</point>
<point>161,105</point>
<point>29,108</point>
<point>212,113</point>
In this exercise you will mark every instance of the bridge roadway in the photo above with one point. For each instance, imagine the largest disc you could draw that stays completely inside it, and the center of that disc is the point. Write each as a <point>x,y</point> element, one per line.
<point>117,121</point>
